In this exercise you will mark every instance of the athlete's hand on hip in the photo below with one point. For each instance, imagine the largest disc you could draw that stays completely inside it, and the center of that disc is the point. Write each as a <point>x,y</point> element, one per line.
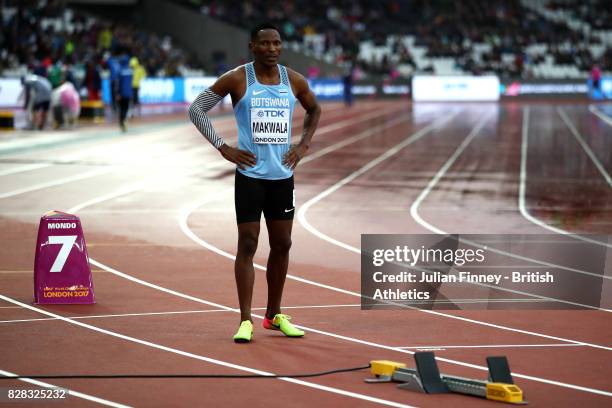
<point>294,155</point>
<point>242,158</point>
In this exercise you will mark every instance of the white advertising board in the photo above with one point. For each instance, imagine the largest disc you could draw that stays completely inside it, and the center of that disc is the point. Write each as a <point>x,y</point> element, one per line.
<point>10,89</point>
<point>455,88</point>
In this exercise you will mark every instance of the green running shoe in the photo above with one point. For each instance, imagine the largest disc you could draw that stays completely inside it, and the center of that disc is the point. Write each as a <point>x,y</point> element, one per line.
<point>244,333</point>
<point>281,322</point>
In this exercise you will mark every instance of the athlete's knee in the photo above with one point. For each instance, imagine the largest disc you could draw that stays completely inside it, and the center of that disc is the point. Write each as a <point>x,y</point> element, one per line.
<point>247,244</point>
<point>280,245</point>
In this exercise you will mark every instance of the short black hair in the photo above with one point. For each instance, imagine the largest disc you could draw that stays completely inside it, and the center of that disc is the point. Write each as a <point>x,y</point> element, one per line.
<point>262,26</point>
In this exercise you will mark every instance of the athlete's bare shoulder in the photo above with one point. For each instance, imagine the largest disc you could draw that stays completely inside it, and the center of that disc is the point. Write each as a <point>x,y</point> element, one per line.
<point>233,82</point>
<point>298,82</point>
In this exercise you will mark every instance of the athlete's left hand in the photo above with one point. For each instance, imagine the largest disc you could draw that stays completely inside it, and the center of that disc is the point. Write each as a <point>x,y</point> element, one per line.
<point>294,155</point>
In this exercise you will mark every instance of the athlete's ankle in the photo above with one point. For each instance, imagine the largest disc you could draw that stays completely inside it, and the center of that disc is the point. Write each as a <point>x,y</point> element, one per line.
<point>270,315</point>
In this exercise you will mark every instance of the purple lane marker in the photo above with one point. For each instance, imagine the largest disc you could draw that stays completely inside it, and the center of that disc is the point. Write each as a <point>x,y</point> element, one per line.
<point>62,274</point>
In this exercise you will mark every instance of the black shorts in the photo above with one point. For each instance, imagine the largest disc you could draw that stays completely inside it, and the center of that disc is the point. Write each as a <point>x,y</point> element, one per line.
<point>252,196</point>
<point>43,106</point>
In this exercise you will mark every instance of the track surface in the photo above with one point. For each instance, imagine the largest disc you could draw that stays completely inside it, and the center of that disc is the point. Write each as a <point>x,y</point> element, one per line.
<point>157,209</point>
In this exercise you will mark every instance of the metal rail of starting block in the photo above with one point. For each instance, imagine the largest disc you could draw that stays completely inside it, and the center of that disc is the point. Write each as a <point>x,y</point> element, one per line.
<point>426,378</point>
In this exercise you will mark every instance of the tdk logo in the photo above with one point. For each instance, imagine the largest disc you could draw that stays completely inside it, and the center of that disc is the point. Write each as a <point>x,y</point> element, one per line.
<point>270,113</point>
<point>61,225</point>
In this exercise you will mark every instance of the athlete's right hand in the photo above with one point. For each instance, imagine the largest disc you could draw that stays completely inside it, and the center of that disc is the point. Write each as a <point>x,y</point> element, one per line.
<point>242,158</point>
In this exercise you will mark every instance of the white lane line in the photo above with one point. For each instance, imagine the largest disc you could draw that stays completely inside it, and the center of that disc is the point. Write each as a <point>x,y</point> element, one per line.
<point>415,205</point>
<point>70,391</point>
<point>186,211</point>
<point>118,193</point>
<point>116,315</point>
<point>188,232</point>
<point>493,346</point>
<point>600,115</point>
<point>207,359</point>
<point>434,181</point>
<point>196,239</point>
<point>128,189</point>
<point>415,214</point>
<point>57,182</point>
<point>221,125</point>
<point>523,188</point>
<point>310,228</point>
<point>181,312</point>
<point>20,169</point>
<point>301,215</point>
<point>584,145</point>
<point>224,124</point>
<point>97,172</point>
<point>365,342</point>
<point>220,164</point>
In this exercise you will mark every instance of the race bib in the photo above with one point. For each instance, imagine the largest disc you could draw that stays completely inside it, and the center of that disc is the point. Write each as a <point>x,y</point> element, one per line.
<point>270,125</point>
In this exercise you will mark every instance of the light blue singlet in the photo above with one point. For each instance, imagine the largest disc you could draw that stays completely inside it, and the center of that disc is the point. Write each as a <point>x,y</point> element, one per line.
<point>264,124</point>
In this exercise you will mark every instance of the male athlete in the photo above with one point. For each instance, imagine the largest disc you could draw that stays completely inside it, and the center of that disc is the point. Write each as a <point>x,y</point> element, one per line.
<point>263,95</point>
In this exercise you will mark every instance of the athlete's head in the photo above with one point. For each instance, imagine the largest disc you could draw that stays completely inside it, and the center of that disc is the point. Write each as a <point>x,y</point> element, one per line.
<point>266,44</point>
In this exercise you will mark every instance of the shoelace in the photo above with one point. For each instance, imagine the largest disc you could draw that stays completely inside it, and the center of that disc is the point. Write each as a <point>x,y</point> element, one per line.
<point>282,316</point>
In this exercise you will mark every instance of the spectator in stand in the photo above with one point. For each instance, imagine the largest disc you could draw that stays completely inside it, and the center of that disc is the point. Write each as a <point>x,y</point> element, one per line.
<point>65,105</point>
<point>105,38</point>
<point>37,91</point>
<point>113,68</point>
<point>595,77</point>
<point>347,80</point>
<point>54,74</point>
<point>124,92</point>
<point>92,80</point>
<point>139,74</point>
<point>313,72</point>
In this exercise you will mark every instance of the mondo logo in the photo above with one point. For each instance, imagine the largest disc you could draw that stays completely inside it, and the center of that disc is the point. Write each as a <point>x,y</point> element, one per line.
<point>61,225</point>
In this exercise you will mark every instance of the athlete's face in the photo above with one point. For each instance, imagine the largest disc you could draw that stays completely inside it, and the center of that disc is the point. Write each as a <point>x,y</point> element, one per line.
<point>266,47</point>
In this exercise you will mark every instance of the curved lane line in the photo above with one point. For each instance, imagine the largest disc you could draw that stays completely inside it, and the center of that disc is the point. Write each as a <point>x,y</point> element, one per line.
<point>204,358</point>
<point>523,188</point>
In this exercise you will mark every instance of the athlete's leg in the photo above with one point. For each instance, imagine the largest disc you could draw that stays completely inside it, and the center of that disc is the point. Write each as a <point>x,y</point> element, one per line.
<point>248,234</point>
<point>248,200</point>
<point>278,210</point>
<point>279,232</point>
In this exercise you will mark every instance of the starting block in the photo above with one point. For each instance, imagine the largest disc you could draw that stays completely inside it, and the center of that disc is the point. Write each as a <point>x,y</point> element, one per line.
<point>62,274</point>
<point>426,378</point>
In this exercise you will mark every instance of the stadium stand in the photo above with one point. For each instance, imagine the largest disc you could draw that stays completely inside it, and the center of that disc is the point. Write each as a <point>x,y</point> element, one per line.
<point>50,37</point>
<point>510,38</point>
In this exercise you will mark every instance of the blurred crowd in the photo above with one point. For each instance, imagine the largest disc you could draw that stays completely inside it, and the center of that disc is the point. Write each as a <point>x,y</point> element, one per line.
<point>58,43</point>
<point>508,28</point>
<point>446,28</point>
<point>597,13</point>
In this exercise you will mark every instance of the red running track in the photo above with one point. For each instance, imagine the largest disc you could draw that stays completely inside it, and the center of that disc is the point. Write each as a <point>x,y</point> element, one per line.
<point>157,210</point>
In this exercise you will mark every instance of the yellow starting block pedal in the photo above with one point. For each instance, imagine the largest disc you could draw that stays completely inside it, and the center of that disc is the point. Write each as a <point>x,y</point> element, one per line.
<point>384,368</point>
<point>509,393</point>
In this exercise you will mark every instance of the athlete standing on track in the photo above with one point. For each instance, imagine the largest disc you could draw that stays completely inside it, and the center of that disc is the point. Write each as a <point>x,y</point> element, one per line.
<point>263,95</point>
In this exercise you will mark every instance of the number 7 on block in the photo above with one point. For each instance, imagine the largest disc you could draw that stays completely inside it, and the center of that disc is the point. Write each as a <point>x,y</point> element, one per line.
<point>67,241</point>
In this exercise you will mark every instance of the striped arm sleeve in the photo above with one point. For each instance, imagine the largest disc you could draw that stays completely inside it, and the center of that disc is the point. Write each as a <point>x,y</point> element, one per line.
<point>197,114</point>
